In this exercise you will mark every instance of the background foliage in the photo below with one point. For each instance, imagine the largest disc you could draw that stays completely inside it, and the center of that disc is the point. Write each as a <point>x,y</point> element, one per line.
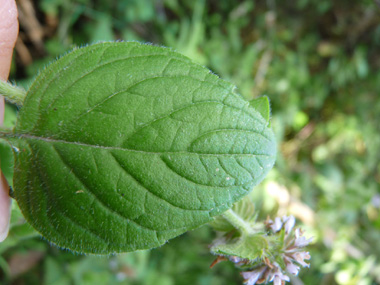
<point>317,60</point>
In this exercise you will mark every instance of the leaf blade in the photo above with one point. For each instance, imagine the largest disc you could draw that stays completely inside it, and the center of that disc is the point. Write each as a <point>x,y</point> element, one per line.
<point>131,145</point>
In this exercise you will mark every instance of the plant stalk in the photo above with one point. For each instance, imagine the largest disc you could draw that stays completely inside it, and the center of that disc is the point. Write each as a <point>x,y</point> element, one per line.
<point>12,94</point>
<point>4,131</point>
<point>238,222</point>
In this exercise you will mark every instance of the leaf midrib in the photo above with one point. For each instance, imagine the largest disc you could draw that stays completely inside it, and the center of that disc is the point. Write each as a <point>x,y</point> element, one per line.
<point>51,140</point>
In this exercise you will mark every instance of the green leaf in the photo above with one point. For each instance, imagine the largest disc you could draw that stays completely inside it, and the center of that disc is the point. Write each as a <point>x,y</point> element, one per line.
<point>261,105</point>
<point>122,146</point>
<point>253,247</point>
<point>55,273</point>
<point>9,116</point>
<point>6,160</point>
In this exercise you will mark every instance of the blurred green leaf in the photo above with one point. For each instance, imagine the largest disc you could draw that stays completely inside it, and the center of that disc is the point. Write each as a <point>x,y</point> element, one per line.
<point>54,273</point>
<point>103,29</point>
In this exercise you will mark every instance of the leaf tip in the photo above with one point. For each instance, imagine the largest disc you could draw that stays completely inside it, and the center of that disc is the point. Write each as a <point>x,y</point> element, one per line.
<point>262,105</point>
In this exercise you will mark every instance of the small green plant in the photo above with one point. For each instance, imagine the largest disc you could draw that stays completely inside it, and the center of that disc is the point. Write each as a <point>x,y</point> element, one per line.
<point>265,252</point>
<point>122,146</point>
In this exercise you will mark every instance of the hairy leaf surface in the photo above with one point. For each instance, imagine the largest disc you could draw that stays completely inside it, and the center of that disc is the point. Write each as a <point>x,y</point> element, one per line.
<point>245,247</point>
<point>122,146</point>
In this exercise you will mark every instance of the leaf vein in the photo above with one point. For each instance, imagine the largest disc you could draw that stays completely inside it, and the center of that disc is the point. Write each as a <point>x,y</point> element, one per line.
<point>244,168</point>
<point>57,209</point>
<point>51,140</point>
<point>146,189</point>
<point>99,201</point>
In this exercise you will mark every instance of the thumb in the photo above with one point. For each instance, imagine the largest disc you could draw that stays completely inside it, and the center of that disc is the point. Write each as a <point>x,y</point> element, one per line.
<point>8,36</point>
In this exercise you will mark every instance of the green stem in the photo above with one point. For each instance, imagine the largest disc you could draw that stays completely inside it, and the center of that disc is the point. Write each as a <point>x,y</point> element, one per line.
<point>13,94</point>
<point>238,222</point>
<point>4,131</point>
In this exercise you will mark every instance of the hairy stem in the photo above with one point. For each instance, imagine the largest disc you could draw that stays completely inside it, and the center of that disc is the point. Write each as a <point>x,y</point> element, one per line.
<point>238,222</point>
<point>12,94</point>
<point>4,131</point>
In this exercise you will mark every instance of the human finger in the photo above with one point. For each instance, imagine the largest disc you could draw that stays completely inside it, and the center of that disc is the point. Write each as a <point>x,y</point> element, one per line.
<point>8,37</point>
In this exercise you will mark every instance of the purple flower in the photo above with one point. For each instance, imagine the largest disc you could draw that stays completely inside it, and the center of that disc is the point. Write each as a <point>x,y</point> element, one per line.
<point>278,277</point>
<point>300,257</point>
<point>292,268</point>
<point>289,223</point>
<point>265,269</point>
<point>300,240</point>
<point>251,277</point>
<point>276,225</point>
